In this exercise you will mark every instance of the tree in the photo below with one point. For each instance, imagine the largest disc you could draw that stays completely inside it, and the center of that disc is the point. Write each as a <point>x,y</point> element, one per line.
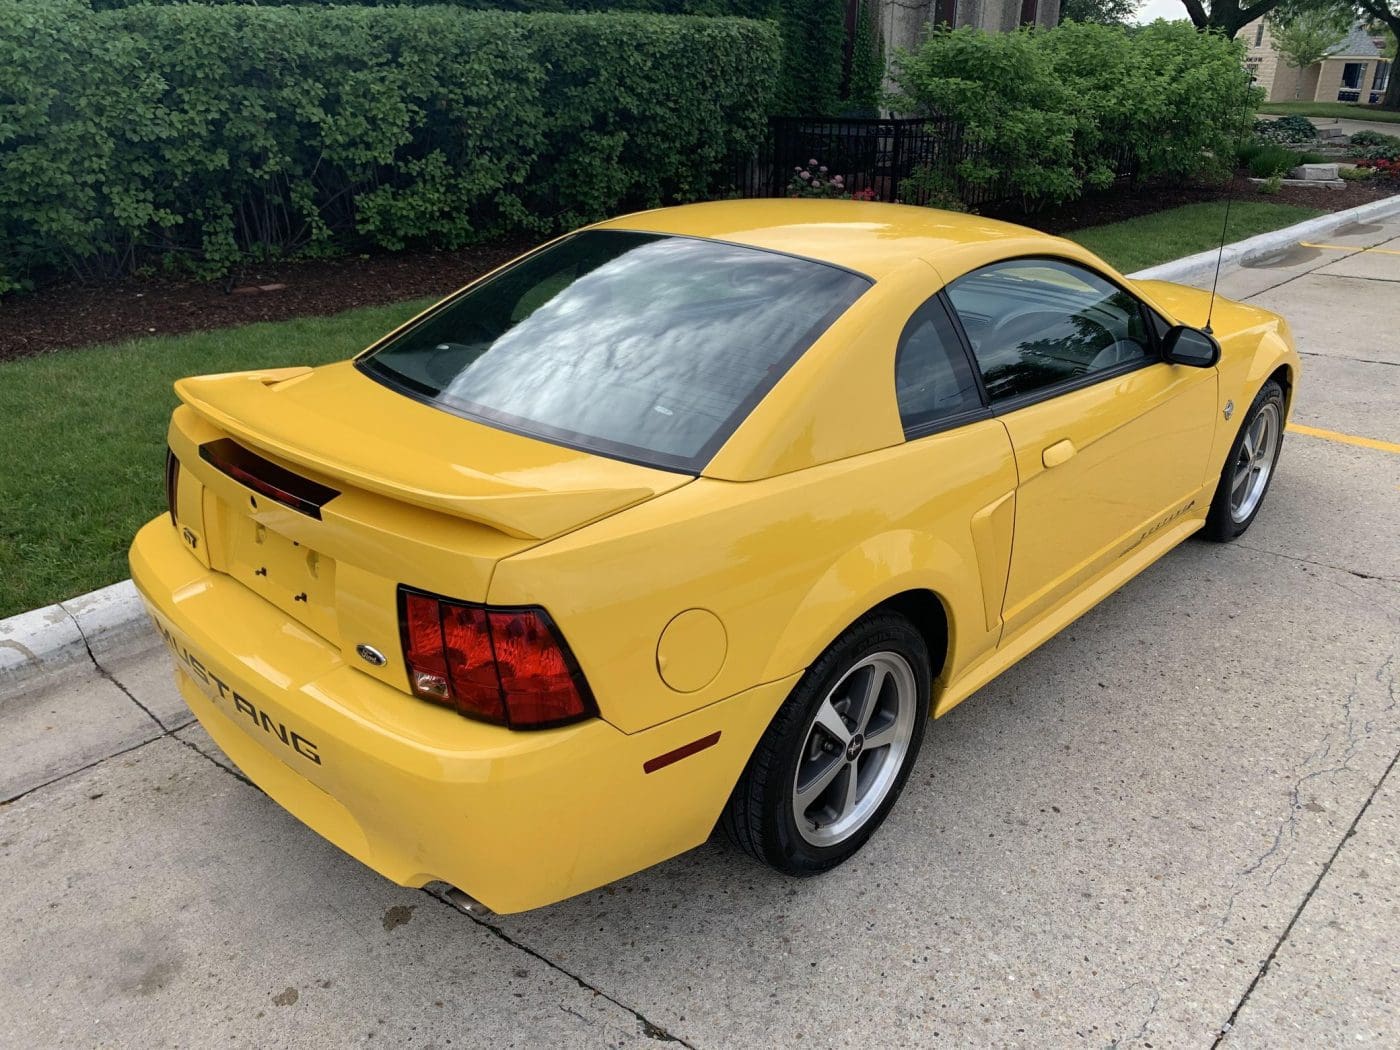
<point>1226,16</point>
<point>1099,12</point>
<point>1387,12</point>
<point>1308,37</point>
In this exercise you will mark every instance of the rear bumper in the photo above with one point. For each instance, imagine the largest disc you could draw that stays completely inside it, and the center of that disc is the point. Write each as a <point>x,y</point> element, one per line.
<point>416,792</point>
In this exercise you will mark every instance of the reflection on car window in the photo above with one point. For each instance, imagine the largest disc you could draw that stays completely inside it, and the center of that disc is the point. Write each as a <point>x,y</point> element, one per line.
<point>649,347</point>
<point>932,377</point>
<point>1034,323</point>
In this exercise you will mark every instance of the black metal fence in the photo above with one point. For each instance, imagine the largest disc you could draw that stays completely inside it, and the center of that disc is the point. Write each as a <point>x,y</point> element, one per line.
<point>874,156</point>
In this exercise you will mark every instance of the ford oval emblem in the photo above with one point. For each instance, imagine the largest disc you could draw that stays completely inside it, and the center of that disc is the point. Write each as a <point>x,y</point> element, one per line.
<point>370,655</point>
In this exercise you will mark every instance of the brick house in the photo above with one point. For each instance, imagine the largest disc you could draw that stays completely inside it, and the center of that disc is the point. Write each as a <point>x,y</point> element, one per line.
<point>1355,72</point>
<point>904,22</point>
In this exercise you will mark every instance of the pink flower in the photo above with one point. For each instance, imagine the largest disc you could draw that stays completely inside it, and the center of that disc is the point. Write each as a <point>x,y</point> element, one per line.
<point>812,163</point>
<point>822,169</point>
<point>806,175</point>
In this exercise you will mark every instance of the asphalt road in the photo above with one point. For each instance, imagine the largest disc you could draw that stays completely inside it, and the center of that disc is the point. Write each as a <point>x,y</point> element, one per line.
<point>1173,825</point>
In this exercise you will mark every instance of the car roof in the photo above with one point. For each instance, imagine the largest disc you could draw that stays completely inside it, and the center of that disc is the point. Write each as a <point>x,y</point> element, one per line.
<point>871,238</point>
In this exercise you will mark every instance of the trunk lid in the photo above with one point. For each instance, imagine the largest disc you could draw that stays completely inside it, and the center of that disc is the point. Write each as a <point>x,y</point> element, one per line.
<point>322,490</point>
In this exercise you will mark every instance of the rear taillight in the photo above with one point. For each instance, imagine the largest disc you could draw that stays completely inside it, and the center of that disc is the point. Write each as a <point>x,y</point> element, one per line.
<point>507,666</point>
<point>172,483</point>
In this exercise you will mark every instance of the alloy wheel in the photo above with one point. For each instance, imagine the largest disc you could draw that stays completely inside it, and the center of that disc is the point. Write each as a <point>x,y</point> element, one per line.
<point>1254,462</point>
<point>853,748</point>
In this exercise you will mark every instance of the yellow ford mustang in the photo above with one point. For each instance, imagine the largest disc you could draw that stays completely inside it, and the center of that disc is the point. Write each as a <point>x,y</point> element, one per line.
<point>690,518</point>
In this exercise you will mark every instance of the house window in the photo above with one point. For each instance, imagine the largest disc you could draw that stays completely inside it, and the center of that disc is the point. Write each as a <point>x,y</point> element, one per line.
<point>1028,12</point>
<point>1382,78</point>
<point>945,12</point>
<point>1352,74</point>
<point>1259,34</point>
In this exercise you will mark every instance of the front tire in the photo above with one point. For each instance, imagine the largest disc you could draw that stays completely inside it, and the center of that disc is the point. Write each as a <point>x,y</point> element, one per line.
<point>829,768</point>
<point>1249,468</point>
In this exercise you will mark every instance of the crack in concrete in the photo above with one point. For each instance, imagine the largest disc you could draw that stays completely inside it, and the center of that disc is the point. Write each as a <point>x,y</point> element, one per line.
<point>166,731</point>
<point>1321,565</point>
<point>1230,1022</point>
<point>1286,829</point>
<point>1344,357</point>
<point>649,1028</point>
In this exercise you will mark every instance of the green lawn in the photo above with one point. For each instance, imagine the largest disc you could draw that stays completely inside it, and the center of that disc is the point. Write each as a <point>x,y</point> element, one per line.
<point>1345,110</point>
<point>1134,244</point>
<point>83,431</point>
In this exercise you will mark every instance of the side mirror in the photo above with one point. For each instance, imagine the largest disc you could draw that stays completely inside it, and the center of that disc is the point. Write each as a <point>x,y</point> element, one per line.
<point>1190,346</point>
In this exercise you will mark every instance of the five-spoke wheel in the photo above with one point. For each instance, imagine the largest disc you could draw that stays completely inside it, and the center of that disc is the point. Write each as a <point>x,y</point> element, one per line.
<point>837,754</point>
<point>1249,467</point>
<point>854,747</point>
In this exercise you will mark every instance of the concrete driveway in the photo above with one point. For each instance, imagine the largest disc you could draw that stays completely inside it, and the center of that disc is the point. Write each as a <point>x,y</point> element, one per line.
<point>1174,825</point>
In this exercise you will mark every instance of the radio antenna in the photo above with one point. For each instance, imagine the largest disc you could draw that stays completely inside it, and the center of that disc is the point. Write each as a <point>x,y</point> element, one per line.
<point>1229,197</point>
<point>1219,258</point>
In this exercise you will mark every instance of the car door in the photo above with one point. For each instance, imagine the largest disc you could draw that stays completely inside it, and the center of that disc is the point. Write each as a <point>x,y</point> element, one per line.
<point>1109,439</point>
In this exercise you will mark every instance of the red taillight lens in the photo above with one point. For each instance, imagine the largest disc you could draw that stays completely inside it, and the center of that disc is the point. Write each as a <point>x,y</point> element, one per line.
<point>172,483</point>
<point>539,684</point>
<point>475,683</point>
<point>507,666</point>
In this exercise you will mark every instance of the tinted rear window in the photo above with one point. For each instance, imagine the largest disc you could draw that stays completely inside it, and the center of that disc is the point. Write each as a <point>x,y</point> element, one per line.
<point>641,346</point>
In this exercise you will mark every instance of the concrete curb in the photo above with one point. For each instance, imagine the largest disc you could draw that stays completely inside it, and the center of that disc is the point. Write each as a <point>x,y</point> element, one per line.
<point>45,643</point>
<point>1202,264</point>
<point>40,646</point>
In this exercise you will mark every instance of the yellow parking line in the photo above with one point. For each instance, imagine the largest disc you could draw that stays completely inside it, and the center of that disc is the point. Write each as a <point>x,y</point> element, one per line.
<point>1348,248</point>
<point>1345,439</point>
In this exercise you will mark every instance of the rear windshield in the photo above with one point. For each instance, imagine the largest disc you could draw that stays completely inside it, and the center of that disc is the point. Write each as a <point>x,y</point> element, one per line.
<point>640,346</point>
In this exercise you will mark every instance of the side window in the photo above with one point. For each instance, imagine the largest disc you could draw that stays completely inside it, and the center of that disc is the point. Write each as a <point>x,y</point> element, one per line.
<point>932,377</point>
<point>1034,323</point>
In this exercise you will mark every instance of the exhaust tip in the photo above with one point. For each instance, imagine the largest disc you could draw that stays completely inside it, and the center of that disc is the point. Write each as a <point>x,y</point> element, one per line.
<point>466,903</point>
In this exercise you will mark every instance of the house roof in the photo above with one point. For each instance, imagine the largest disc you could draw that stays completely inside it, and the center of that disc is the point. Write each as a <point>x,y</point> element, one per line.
<point>1358,44</point>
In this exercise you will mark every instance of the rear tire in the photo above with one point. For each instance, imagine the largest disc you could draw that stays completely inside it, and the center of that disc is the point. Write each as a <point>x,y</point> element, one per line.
<point>836,756</point>
<point>1249,468</point>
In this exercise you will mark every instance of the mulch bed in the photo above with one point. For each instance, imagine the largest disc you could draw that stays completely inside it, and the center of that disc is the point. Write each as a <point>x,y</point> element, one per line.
<point>70,314</point>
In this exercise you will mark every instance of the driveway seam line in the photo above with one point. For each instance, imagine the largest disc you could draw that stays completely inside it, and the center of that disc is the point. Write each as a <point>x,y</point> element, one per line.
<point>1283,937</point>
<point>650,1028</point>
<point>1320,564</point>
<point>81,769</point>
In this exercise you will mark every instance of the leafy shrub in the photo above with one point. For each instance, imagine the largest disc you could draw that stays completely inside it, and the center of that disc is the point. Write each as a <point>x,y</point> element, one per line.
<point>813,35</point>
<point>1271,185</point>
<point>1372,145</point>
<point>1272,160</point>
<point>1372,138</point>
<point>198,135</point>
<point>1050,113</point>
<point>1291,128</point>
<point>932,188</point>
<point>1307,157</point>
<point>1356,174</point>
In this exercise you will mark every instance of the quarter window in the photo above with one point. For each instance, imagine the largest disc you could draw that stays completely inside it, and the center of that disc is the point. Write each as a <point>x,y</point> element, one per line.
<point>1038,323</point>
<point>932,377</point>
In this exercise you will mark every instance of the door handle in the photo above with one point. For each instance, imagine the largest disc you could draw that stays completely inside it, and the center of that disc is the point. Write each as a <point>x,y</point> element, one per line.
<point>1060,452</point>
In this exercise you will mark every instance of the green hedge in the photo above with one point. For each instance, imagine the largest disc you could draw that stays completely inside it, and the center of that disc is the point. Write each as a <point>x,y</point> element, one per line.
<point>1049,113</point>
<point>813,34</point>
<point>203,134</point>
